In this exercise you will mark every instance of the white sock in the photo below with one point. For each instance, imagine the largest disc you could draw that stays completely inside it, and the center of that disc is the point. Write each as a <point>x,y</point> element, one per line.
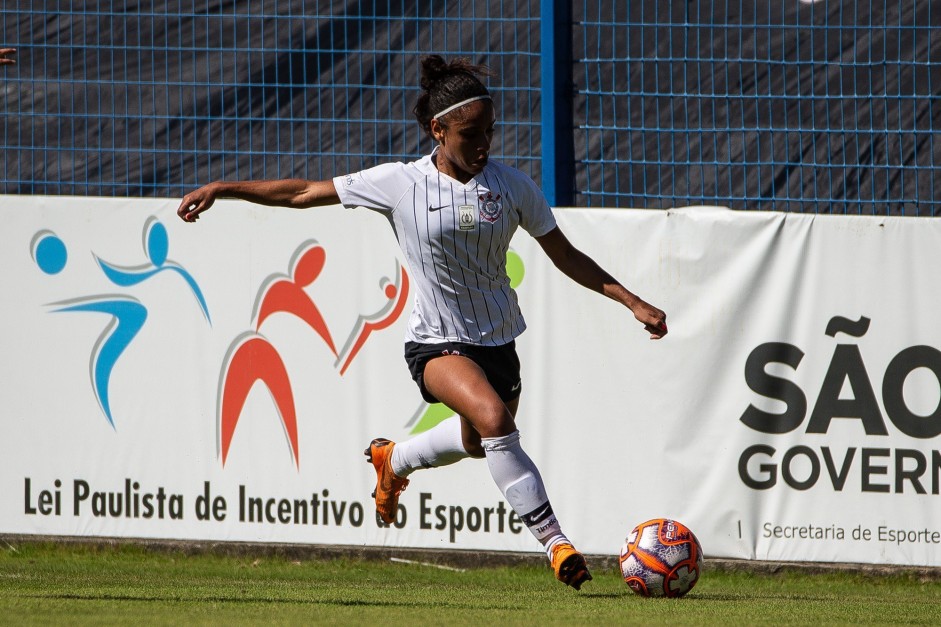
<point>441,445</point>
<point>518,478</point>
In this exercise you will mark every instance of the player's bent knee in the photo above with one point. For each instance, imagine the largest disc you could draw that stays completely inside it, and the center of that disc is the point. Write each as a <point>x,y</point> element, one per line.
<point>494,423</point>
<point>475,451</point>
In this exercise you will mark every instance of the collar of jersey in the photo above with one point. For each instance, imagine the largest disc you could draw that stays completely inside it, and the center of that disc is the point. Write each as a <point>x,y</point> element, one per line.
<point>429,164</point>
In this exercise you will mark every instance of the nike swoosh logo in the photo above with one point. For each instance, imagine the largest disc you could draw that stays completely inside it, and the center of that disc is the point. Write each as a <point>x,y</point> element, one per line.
<point>430,208</point>
<point>541,514</point>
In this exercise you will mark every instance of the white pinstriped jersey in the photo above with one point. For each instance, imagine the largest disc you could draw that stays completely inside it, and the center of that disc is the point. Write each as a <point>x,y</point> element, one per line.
<point>455,237</point>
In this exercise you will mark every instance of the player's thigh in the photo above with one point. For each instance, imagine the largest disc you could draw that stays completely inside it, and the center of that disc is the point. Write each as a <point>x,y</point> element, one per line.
<point>461,384</point>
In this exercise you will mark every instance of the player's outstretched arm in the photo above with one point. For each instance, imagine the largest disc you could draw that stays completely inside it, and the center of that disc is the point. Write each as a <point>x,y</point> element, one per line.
<point>583,270</point>
<point>293,193</point>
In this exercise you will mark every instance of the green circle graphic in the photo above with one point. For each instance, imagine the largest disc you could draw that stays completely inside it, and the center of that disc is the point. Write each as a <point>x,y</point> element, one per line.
<point>514,268</point>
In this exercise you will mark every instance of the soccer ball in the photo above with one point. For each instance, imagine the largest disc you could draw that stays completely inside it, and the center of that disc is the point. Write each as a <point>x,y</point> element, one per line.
<point>661,558</point>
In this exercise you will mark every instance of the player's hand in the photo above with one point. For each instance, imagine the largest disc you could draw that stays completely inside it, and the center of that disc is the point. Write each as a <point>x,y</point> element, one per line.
<point>6,56</point>
<point>196,202</point>
<point>653,319</point>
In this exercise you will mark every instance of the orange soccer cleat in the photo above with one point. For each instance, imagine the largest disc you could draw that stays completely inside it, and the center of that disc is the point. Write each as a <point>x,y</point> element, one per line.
<point>569,565</point>
<point>388,485</point>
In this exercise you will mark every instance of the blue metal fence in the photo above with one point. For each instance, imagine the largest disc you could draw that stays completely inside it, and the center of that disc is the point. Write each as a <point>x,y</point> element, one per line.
<point>153,98</point>
<point>820,106</point>
<point>829,106</point>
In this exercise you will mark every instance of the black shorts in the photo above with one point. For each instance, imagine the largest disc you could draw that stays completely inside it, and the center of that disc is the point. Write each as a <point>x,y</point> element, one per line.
<point>500,363</point>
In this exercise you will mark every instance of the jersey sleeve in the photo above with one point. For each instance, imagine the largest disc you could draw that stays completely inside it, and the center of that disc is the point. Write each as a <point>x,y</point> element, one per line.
<point>536,216</point>
<point>377,188</point>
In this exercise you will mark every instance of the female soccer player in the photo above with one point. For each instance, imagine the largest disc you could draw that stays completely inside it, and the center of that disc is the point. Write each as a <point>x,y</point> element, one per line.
<point>453,213</point>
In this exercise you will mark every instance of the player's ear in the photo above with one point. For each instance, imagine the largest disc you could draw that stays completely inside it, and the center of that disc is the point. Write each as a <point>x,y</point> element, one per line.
<point>437,129</point>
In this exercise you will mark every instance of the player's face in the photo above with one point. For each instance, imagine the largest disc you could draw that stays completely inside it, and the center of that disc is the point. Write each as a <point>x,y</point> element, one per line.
<point>464,140</point>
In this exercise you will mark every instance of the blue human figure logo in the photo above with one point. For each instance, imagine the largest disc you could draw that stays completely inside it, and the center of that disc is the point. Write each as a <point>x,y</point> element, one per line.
<point>156,246</point>
<point>127,313</point>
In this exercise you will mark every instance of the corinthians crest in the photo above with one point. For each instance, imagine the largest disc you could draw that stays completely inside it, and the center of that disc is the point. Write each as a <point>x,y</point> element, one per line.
<point>490,207</point>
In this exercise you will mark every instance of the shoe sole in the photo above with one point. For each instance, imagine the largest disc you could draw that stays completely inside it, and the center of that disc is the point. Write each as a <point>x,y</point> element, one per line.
<point>377,442</point>
<point>368,453</point>
<point>574,571</point>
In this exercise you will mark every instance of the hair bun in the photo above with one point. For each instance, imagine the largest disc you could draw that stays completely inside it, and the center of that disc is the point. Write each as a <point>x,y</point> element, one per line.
<point>433,69</point>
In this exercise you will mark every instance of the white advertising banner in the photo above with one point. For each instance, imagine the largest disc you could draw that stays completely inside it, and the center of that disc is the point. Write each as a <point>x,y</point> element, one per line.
<point>220,380</point>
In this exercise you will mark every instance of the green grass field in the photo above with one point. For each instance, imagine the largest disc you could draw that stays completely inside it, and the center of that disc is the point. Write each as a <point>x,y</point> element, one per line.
<point>81,584</point>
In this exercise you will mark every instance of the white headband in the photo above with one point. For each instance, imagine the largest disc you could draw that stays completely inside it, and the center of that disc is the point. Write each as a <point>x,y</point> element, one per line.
<point>459,105</point>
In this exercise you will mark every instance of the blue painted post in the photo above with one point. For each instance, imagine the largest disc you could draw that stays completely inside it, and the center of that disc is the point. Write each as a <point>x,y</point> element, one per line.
<point>558,166</point>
